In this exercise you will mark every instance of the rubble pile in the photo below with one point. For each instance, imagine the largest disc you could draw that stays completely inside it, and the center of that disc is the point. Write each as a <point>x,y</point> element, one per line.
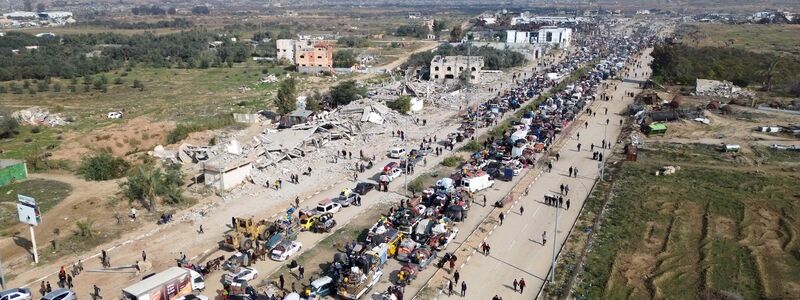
<point>271,78</point>
<point>723,89</point>
<point>39,116</point>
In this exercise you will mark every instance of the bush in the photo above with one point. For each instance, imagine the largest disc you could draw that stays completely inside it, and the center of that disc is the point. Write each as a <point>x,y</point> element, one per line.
<point>472,146</point>
<point>344,58</point>
<point>36,129</point>
<point>402,104</point>
<point>8,125</point>
<point>452,161</point>
<point>103,166</point>
<point>418,184</point>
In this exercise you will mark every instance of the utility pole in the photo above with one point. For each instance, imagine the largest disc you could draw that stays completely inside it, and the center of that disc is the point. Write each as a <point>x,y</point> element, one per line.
<point>555,241</point>
<point>2,276</point>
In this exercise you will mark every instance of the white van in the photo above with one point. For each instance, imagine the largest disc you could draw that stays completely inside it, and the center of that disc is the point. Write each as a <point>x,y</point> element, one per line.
<point>477,183</point>
<point>397,152</point>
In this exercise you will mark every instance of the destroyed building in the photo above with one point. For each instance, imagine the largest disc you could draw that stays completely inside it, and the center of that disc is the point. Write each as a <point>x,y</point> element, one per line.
<point>313,57</point>
<point>546,35</point>
<point>451,67</point>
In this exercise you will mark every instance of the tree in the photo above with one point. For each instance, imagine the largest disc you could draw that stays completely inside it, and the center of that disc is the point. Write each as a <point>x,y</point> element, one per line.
<point>172,11</point>
<point>313,102</point>
<point>287,96</point>
<point>345,92</point>
<point>401,104</point>
<point>8,125</point>
<point>344,58</point>
<point>456,34</point>
<point>149,184</point>
<point>200,10</point>
<point>769,73</point>
<point>439,25</point>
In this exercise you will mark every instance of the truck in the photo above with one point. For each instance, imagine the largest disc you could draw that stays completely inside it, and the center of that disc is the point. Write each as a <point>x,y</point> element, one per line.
<point>168,284</point>
<point>365,272</point>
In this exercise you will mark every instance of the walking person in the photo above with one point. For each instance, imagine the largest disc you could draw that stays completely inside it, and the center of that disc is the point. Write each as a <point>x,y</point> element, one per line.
<point>450,288</point>
<point>570,171</point>
<point>576,172</point>
<point>69,282</point>
<point>521,285</point>
<point>48,287</point>
<point>567,203</point>
<point>544,238</point>
<point>514,284</point>
<point>463,289</point>
<point>549,167</point>
<point>579,147</point>
<point>96,294</point>
<point>560,202</point>
<point>521,210</point>
<point>144,256</point>
<point>281,281</point>
<point>558,155</point>
<point>566,190</point>
<point>456,276</point>
<point>502,217</point>
<point>562,187</point>
<point>301,270</point>
<point>201,229</point>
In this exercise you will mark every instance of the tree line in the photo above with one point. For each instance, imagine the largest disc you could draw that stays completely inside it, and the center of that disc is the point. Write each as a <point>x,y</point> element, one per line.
<point>67,57</point>
<point>681,64</point>
<point>114,24</point>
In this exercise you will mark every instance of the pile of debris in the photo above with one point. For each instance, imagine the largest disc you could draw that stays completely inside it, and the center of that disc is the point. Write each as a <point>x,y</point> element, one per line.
<point>668,170</point>
<point>271,78</point>
<point>39,116</point>
<point>365,111</point>
<point>724,89</point>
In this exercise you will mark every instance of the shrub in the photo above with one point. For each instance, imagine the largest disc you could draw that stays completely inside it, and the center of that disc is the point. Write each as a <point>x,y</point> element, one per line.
<point>103,166</point>
<point>472,146</point>
<point>36,129</point>
<point>402,104</point>
<point>452,161</point>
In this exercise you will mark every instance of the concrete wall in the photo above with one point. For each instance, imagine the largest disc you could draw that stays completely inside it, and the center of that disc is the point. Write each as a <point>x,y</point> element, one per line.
<point>229,179</point>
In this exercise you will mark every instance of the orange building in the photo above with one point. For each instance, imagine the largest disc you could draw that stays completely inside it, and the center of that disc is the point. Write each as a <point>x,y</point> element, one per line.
<point>313,57</point>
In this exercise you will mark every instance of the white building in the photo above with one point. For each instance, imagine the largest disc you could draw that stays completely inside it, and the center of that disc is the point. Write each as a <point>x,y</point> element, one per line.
<point>285,49</point>
<point>547,35</point>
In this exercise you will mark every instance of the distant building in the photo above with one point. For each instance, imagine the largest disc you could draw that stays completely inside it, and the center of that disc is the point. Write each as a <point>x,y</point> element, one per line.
<point>285,50</point>
<point>450,67</point>
<point>313,57</point>
<point>546,35</point>
<point>428,23</point>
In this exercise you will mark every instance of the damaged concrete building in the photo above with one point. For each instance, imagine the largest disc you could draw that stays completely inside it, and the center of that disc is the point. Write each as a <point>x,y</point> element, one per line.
<point>451,67</point>
<point>313,57</point>
<point>285,49</point>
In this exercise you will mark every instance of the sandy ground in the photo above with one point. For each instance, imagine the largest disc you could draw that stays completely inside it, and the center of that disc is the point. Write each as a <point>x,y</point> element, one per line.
<point>138,134</point>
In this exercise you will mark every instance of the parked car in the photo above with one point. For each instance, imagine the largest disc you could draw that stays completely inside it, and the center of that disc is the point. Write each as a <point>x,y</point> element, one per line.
<point>244,275</point>
<point>60,294</point>
<point>397,152</point>
<point>285,249</point>
<point>345,199</point>
<point>362,188</point>
<point>394,173</point>
<point>328,206</point>
<point>16,294</point>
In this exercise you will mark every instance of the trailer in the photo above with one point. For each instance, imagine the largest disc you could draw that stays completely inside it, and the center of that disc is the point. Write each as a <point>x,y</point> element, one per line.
<point>168,284</point>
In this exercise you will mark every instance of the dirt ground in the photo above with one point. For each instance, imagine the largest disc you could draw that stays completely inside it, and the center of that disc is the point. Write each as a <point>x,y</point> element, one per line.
<point>135,135</point>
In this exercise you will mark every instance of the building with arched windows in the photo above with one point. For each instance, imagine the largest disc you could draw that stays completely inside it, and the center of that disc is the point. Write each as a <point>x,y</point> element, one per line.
<point>450,67</point>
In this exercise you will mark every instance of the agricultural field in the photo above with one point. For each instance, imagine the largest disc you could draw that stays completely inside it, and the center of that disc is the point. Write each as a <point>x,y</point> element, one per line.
<point>751,37</point>
<point>719,226</point>
<point>47,193</point>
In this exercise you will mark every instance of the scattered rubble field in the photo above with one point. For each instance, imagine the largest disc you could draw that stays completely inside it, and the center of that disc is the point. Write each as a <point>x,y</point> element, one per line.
<point>718,227</point>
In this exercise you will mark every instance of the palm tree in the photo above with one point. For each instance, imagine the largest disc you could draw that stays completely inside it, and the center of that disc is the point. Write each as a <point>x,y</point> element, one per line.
<point>769,73</point>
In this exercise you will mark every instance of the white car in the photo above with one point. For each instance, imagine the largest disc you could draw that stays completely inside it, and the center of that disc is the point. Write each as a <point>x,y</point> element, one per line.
<point>394,173</point>
<point>397,152</point>
<point>328,206</point>
<point>285,249</point>
<point>244,275</point>
<point>16,294</point>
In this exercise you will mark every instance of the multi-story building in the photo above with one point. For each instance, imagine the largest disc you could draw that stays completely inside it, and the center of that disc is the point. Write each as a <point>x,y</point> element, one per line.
<point>313,57</point>
<point>285,50</point>
<point>451,67</point>
<point>546,35</point>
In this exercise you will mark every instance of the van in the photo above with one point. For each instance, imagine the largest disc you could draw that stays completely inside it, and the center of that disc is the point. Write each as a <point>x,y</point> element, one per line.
<point>60,294</point>
<point>477,183</point>
<point>198,282</point>
<point>397,152</point>
<point>327,206</point>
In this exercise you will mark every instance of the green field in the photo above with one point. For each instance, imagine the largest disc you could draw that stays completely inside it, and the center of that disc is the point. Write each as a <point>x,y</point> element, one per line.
<point>752,37</point>
<point>717,227</point>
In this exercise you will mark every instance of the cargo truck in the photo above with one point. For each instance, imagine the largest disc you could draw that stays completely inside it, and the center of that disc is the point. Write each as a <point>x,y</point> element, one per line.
<point>166,285</point>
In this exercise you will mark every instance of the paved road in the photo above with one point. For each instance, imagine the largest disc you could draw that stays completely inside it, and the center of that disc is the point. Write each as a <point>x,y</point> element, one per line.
<point>517,249</point>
